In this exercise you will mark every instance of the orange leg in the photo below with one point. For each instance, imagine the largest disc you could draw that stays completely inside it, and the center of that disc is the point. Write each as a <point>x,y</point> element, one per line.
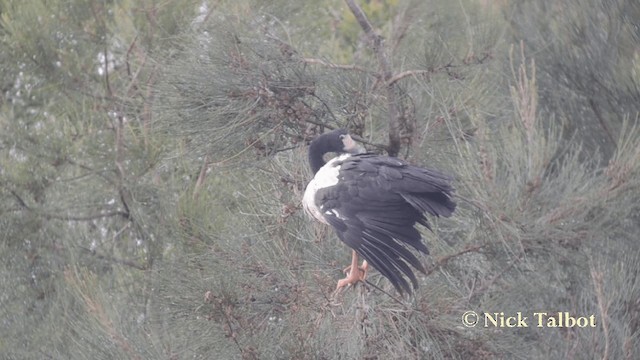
<point>354,272</point>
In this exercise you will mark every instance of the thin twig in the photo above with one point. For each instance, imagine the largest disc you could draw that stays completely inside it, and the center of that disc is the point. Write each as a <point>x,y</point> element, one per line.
<point>129,50</point>
<point>488,284</point>
<point>404,20</point>
<point>603,124</point>
<point>51,215</point>
<point>20,200</point>
<point>596,277</point>
<point>404,74</point>
<point>226,313</point>
<point>201,177</point>
<point>114,259</point>
<point>85,218</point>
<point>385,292</point>
<point>445,259</point>
<point>338,66</point>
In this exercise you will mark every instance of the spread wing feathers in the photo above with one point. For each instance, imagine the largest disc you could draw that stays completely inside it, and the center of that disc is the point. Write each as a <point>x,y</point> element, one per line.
<point>385,254</point>
<point>375,206</point>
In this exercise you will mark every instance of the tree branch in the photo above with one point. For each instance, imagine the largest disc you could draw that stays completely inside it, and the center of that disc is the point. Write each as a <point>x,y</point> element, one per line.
<point>385,67</point>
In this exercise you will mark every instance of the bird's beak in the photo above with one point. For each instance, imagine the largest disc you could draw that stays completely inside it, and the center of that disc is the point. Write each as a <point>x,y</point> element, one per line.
<point>350,145</point>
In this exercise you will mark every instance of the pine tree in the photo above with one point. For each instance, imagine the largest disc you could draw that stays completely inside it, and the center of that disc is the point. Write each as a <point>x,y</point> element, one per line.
<point>153,158</point>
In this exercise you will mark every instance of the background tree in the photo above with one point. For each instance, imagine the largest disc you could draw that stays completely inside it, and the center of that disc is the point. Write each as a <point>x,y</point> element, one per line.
<point>79,203</point>
<point>153,159</point>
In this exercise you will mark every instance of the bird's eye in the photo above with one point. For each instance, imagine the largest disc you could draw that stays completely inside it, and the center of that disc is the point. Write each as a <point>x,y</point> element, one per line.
<point>342,136</point>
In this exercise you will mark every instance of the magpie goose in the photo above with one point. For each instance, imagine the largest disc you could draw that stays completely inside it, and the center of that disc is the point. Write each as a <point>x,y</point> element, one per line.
<point>374,202</point>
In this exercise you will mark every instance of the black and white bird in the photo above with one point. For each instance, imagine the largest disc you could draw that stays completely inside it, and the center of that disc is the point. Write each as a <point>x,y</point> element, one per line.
<point>374,202</point>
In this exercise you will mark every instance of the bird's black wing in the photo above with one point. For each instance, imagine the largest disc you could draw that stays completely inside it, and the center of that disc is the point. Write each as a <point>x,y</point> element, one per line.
<point>375,206</point>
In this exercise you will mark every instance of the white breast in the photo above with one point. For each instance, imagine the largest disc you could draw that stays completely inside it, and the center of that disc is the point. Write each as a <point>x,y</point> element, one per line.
<point>327,176</point>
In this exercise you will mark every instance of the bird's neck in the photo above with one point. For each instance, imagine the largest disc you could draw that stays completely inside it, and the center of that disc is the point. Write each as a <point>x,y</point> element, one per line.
<point>316,157</point>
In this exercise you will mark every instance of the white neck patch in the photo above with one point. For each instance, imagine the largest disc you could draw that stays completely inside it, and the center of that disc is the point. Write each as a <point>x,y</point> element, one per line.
<point>325,177</point>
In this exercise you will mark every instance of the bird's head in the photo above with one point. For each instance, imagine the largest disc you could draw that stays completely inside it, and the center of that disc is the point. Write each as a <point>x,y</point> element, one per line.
<point>338,141</point>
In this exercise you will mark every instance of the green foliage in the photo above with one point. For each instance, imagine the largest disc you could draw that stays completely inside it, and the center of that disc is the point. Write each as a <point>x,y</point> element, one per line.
<point>77,191</point>
<point>153,158</point>
<point>588,60</point>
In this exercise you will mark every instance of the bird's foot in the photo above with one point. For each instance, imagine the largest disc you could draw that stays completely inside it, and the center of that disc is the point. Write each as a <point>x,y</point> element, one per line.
<point>353,277</point>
